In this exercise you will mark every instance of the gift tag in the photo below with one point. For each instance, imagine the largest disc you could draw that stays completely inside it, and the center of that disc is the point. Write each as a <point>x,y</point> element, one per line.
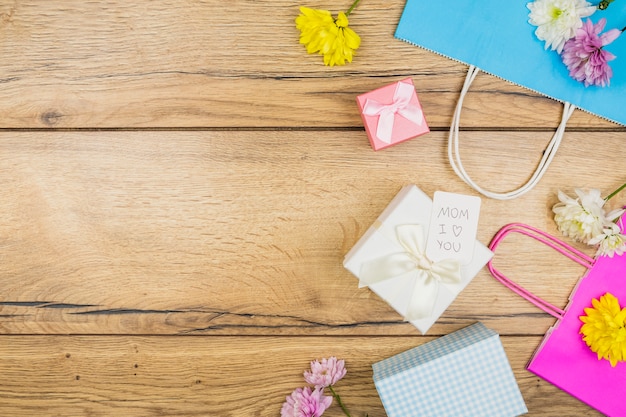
<point>453,226</point>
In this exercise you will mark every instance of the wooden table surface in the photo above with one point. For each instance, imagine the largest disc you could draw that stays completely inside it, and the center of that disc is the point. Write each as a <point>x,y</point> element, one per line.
<point>179,184</point>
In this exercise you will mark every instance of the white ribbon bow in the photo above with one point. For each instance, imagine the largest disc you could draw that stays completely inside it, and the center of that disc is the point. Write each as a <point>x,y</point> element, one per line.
<point>387,112</point>
<point>427,275</point>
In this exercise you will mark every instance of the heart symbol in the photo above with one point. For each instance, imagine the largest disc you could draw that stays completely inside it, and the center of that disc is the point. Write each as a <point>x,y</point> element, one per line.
<point>457,230</point>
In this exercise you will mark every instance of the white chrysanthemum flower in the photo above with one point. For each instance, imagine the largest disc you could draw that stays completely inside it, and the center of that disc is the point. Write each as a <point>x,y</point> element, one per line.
<point>582,218</point>
<point>611,241</point>
<point>614,215</point>
<point>558,20</point>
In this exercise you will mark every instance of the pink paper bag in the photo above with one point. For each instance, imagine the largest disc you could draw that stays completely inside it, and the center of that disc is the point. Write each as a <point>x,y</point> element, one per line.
<point>563,358</point>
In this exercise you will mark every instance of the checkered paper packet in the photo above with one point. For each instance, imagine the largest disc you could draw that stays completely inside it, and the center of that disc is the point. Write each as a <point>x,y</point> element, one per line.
<point>465,373</point>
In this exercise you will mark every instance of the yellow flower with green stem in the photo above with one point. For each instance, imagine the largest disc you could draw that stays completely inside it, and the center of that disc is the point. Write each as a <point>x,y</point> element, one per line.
<point>604,329</point>
<point>330,37</point>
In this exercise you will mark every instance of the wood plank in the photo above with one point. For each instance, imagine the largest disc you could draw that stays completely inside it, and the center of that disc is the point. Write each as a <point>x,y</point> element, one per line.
<point>213,376</point>
<point>245,232</point>
<point>179,184</point>
<point>116,64</point>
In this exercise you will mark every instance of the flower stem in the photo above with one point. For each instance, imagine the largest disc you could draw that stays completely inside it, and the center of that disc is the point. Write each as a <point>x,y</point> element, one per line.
<point>332,391</point>
<point>357,2</point>
<point>610,196</point>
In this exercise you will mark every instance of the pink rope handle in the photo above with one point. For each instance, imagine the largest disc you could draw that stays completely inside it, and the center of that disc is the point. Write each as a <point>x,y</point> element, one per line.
<point>556,244</point>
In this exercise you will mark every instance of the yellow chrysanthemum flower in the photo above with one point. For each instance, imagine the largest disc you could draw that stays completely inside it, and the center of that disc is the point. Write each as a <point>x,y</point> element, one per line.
<point>604,329</point>
<point>330,37</point>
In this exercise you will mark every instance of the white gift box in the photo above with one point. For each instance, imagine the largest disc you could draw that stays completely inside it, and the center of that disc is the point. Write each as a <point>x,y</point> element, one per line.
<point>409,213</point>
<point>465,373</point>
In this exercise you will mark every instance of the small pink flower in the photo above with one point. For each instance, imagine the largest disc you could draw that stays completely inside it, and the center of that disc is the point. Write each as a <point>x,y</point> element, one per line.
<point>325,373</point>
<point>305,403</point>
<point>585,57</point>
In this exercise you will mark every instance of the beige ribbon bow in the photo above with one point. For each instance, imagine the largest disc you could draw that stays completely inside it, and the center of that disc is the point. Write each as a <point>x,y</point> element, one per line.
<point>427,275</point>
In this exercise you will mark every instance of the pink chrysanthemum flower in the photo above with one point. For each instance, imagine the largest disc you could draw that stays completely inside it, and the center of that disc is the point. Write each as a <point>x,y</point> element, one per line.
<point>305,403</point>
<point>585,57</point>
<point>325,373</point>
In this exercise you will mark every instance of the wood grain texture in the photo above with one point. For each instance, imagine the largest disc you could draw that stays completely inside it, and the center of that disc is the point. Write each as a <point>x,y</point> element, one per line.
<point>245,232</point>
<point>112,64</point>
<point>216,376</point>
<point>179,184</point>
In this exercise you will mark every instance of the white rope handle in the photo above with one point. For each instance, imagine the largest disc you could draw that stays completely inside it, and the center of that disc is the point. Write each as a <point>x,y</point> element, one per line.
<point>455,157</point>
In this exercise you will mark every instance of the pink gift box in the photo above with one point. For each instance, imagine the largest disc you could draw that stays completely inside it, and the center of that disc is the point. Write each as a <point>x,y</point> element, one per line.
<point>392,114</point>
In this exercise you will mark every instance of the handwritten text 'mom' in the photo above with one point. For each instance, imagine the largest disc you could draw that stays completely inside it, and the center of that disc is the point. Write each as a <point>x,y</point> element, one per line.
<point>453,213</point>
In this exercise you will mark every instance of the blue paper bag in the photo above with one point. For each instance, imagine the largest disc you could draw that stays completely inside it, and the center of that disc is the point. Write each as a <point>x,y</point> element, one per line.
<point>496,37</point>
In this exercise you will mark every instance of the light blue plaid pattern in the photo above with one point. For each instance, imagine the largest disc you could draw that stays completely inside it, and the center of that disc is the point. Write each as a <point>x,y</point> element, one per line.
<point>465,374</point>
